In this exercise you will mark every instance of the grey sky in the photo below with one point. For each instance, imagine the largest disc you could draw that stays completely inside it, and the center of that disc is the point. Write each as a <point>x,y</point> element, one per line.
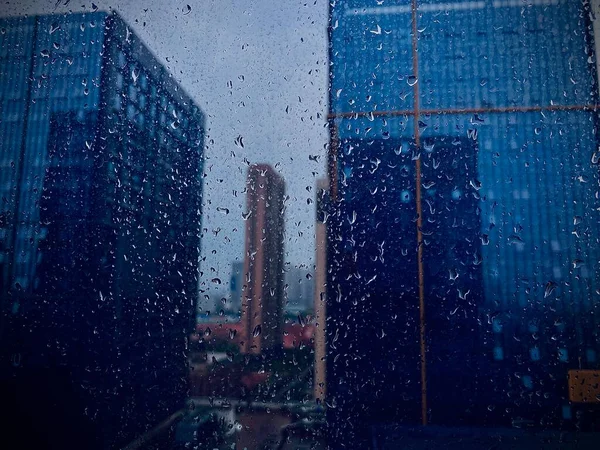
<point>244,62</point>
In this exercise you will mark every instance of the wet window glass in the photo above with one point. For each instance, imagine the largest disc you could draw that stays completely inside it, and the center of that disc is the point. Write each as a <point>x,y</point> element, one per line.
<point>289,225</point>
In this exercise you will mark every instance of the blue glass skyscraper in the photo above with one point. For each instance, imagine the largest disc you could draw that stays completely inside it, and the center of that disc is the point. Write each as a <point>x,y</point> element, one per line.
<point>100,179</point>
<point>464,232</point>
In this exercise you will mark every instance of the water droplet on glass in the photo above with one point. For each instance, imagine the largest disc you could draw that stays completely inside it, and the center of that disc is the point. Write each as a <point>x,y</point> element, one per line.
<point>577,263</point>
<point>232,333</point>
<point>352,219</point>
<point>514,239</point>
<point>216,280</point>
<point>239,141</point>
<point>428,147</point>
<point>550,287</point>
<point>54,27</point>
<point>412,80</point>
<point>45,53</point>
<point>377,30</point>
<point>257,330</point>
<point>453,274</point>
<point>577,220</point>
<point>475,184</point>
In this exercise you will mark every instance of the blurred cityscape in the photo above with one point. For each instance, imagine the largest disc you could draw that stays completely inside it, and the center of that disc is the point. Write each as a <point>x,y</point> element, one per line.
<point>454,292</point>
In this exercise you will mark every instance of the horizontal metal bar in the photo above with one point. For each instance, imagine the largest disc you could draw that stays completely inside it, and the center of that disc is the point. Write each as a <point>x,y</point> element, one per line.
<point>443,111</point>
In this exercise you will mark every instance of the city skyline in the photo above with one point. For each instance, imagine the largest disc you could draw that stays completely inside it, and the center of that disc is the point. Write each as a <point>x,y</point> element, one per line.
<point>265,102</point>
<point>368,230</point>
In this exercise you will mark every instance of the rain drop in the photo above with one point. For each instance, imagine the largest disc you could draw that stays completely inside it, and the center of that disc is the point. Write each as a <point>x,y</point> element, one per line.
<point>453,274</point>
<point>550,287</point>
<point>352,219</point>
<point>377,30</point>
<point>239,141</point>
<point>514,239</point>
<point>475,184</point>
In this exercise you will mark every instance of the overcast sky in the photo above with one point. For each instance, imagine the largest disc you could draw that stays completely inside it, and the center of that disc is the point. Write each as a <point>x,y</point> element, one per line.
<point>258,69</point>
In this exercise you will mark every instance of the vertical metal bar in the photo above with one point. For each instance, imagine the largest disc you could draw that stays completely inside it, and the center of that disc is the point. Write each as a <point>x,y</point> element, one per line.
<point>423,356</point>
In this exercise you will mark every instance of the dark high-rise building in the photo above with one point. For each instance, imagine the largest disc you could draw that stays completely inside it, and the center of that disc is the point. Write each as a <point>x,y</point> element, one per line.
<point>262,299</point>
<point>462,244</point>
<point>101,191</point>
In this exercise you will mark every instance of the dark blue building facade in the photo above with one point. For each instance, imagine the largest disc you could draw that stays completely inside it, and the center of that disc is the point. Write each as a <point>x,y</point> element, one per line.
<point>100,226</point>
<point>463,136</point>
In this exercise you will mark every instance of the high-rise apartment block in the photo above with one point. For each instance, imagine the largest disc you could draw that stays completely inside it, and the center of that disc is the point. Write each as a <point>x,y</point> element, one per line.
<point>262,299</point>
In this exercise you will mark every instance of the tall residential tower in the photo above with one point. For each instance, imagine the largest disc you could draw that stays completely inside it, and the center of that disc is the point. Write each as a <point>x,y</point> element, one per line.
<point>262,298</point>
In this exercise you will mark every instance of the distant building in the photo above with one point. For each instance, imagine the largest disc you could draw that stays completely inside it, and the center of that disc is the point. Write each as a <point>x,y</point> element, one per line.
<point>236,283</point>
<point>262,300</point>
<point>320,290</point>
<point>299,290</point>
<point>100,176</point>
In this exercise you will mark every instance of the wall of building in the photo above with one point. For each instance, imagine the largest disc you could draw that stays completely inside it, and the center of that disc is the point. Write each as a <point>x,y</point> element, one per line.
<point>518,84</point>
<point>100,253</point>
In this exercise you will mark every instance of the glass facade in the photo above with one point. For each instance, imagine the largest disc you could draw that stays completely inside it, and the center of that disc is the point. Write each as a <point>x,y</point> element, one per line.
<point>100,221</point>
<point>465,218</point>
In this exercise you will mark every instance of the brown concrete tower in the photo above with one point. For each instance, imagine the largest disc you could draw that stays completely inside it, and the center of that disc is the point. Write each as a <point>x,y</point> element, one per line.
<point>262,299</point>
